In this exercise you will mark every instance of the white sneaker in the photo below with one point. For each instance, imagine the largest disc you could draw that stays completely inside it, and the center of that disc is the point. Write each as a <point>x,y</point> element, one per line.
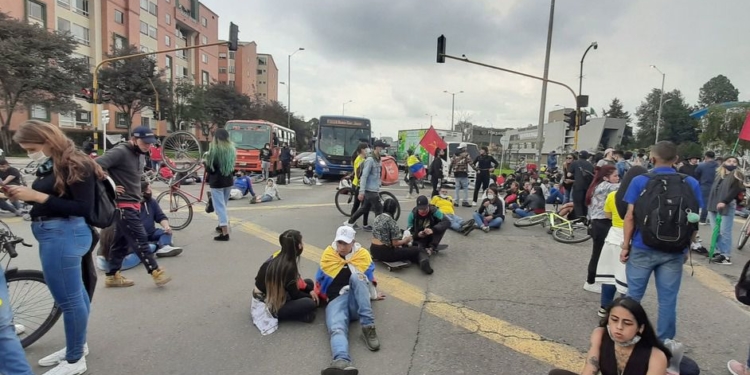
<point>348,225</point>
<point>318,184</point>
<point>593,288</point>
<point>65,368</point>
<point>408,196</point>
<point>59,356</point>
<point>20,329</point>
<point>473,204</point>
<point>169,251</point>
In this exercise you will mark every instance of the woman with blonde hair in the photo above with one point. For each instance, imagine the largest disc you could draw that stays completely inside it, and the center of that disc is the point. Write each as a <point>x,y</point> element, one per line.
<point>722,201</point>
<point>220,167</point>
<point>62,197</point>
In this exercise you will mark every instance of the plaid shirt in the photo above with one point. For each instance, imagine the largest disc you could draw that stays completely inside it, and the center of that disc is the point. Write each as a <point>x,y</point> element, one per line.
<point>461,163</point>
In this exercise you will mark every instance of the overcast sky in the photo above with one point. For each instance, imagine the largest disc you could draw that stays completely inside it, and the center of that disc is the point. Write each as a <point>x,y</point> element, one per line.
<point>381,54</point>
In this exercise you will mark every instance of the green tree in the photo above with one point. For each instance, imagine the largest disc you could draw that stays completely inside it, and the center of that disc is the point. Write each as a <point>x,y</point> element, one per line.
<point>721,126</point>
<point>223,103</point>
<point>275,112</point>
<point>134,83</point>
<point>36,68</point>
<point>184,104</point>
<point>717,90</point>
<point>676,125</point>
<point>689,149</point>
<point>616,110</point>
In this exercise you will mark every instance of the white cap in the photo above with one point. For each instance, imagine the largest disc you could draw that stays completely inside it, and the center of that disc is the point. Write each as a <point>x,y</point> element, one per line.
<point>462,145</point>
<point>609,151</point>
<point>345,233</point>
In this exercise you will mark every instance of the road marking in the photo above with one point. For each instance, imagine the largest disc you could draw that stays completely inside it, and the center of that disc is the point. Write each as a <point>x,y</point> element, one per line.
<point>263,206</point>
<point>502,332</point>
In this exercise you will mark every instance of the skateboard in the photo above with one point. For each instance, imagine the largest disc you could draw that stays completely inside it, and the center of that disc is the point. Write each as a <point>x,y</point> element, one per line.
<point>395,265</point>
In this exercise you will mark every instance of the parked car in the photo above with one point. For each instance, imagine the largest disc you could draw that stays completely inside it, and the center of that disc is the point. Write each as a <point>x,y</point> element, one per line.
<point>306,161</point>
<point>299,156</point>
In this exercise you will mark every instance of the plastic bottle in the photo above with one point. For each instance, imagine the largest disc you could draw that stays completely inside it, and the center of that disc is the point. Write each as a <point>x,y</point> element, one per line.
<point>678,350</point>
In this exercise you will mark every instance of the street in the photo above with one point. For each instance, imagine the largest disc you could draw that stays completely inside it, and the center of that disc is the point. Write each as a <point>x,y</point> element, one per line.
<point>504,302</point>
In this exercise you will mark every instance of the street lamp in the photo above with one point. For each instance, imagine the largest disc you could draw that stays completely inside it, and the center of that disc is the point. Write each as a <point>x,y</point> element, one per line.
<point>453,106</point>
<point>431,116</point>
<point>343,107</point>
<point>661,102</point>
<point>595,45</point>
<point>289,88</point>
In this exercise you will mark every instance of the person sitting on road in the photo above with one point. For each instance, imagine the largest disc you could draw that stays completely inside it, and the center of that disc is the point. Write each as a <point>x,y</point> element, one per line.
<point>269,194</point>
<point>310,178</point>
<point>346,280</point>
<point>522,196</point>
<point>444,203</point>
<point>427,224</point>
<point>565,210</point>
<point>534,204</point>
<point>511,196</point>
<point>279,286</point>
<point>491,212</point>
<point>555,195</point>
<point>389,244</point>
<point>243,185</point>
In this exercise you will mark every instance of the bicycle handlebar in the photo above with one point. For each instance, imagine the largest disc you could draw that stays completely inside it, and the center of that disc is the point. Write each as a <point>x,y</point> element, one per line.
<point>10,245</point>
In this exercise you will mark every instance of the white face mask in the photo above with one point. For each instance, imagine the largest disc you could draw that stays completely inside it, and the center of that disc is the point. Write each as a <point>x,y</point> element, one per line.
<point>38,156</point>
<point>490,197</point>
<point>443,196</point>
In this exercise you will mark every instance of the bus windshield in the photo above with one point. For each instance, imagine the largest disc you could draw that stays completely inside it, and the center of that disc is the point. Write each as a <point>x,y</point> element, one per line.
<point>249,136</point>
<point>341,141</point>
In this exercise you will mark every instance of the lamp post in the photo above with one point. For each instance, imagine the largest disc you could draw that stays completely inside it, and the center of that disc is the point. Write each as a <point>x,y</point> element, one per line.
<point>431,116</point>
<point>289,87</point>
<point>595,45</point>
<point>540,129</point>
<point>661,103</point>
<point>343,107</point>
<point>453,106</point>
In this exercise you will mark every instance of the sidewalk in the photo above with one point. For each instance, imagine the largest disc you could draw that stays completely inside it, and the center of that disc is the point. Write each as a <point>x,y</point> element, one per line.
<point>18,161</point>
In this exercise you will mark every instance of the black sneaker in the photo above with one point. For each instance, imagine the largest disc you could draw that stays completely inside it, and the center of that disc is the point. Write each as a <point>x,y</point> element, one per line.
<point>309,318</point>
<point>468,230</point>
<point>367,228</point>
<point>222,237</point>
<point>723,260</point>
<point>466,204</point>
<point>424,265</point>
<point>340,367</point>
<point>455,204</point>
<point>371,338</point>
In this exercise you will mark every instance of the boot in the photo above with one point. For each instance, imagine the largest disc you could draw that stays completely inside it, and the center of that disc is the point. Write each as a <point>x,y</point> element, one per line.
<point>117,281</point>
<point>424,263</point>
<point>160,277</point>
<point>210,205</point>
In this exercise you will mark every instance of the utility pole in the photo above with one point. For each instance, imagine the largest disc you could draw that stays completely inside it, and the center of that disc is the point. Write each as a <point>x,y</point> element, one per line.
<point>540,131</point>
<point>661,103</point>
<point>453,106</point>
<point>289,87</point>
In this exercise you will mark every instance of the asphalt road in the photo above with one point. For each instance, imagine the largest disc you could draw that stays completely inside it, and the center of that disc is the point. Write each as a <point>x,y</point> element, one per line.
<point>504,302</point>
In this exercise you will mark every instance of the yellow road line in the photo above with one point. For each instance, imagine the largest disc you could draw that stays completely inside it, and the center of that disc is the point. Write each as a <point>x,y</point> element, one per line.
<point>502,332</point>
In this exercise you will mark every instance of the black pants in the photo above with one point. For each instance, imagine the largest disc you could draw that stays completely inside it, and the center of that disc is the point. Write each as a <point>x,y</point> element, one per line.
<point>357,204</point>
<point>579,202</point>
<point>297,309</point>
<point>130,234</point>
<point>435,182</point>
<point>413,184</point>
<point>687,367</point>
<point>432,240</point>
<point>287,170</point>
<point>386,253</point>
<point>562,372</point>
<point>599,231</point>
<point>482,183</point>
<point>371,203</point>
<point>88,271</point>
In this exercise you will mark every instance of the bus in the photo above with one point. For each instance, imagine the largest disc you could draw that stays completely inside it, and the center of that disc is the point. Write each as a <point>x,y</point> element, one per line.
<point>249,136</point>
<point>337,138</point>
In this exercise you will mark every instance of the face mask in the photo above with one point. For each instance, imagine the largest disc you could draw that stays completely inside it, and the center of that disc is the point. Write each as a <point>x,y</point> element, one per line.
<point>490,197</point>
<point>147,196</point>
<point>38,156</point>
<point>730,167</point>
<point>444,196</point>
<point>630,342</point>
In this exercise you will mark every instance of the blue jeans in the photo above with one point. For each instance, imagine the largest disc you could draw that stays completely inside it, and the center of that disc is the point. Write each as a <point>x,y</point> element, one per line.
<point>160,237</point>
<point>667,270</point>
<point>555,198</point>
<point>354,305</point>
<point>523,213</point>
<point>62,245</point>
<point>494,223</point>
<point>462,184</point>
<point>131,260</point>
<point>220,197</point>
<point>455,222</point>
<point>724,241</point>
<point>567,195</point>
<point>608,295</point>
<point>12,356</point>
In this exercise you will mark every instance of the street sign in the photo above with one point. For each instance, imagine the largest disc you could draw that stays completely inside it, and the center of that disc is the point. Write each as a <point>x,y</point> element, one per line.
<point>105,117</point>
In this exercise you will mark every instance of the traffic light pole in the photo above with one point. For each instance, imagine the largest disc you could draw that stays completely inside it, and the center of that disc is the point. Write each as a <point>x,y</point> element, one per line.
<point>95,90</point>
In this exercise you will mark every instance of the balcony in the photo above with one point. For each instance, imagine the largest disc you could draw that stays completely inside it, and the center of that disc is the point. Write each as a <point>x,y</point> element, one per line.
<point>185,18</point>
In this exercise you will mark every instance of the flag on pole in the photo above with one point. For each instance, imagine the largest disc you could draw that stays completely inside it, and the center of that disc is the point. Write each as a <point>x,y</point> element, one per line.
<point>432,141</point>
<point>745,132</point>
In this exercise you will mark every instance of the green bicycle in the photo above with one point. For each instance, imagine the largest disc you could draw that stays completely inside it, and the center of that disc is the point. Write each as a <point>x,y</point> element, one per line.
<point>562,229</point>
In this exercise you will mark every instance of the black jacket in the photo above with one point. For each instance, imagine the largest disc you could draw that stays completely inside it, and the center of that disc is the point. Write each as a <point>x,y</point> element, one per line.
<point>436,168</point>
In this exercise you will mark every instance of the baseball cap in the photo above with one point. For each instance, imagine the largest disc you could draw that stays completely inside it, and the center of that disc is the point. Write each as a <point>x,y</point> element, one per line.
<point>422,202</point>
<point>345,233</point>
<point>145,134</point>
<point>584,154</point>
<point>462,145</point>
<point>609,151</point>
<point>380,143</point>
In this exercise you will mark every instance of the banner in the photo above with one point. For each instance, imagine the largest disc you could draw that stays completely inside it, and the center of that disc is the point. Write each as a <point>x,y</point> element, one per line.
<point>745,132</point>
<point>432,141</point>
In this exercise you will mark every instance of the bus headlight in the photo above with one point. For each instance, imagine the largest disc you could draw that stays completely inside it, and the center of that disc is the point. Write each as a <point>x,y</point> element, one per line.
<point>322,162</point>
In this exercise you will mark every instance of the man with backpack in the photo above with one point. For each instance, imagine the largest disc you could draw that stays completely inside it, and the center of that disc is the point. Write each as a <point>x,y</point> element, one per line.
<point>664,204</point>
<point>582,172</point>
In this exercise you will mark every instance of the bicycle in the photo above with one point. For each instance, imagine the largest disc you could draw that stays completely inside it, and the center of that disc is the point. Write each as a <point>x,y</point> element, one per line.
<point>562,229</point>
<point>345,196</point>
<point>34,310</point>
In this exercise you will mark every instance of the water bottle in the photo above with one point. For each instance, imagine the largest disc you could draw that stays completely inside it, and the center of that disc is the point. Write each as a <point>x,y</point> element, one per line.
<point>678,350</point>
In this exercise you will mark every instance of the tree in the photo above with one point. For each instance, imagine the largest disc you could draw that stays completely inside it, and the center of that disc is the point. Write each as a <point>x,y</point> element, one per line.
<point>275,112</point>
<point>690,149</point>
<point>616,110</point>
<point>223,103</point>
<point>184,104</point>
<point>134,83</point>
<point>36,68</point>
<point>721,126</point>
<point>465,127</point>
<point>676,125</point>
<point>717,90</point>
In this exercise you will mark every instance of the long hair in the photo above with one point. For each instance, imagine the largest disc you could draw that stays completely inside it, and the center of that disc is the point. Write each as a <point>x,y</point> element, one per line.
<point>437,152</point>
<point>604,171</point>
<point>390,206</point>
<point>283,265</point>
<point>633,172</point>
<point>69,164</point>
<point>648,336</point>
<point>722,172</point>
<point>222,151</point>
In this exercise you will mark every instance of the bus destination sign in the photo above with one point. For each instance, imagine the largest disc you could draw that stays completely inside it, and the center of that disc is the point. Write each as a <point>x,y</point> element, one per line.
<point>343,122</point>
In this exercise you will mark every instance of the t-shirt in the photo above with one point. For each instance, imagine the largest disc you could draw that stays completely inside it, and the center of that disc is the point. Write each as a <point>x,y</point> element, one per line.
<point>11,172</point>
<point>357,162</point>
<point>610,207</point>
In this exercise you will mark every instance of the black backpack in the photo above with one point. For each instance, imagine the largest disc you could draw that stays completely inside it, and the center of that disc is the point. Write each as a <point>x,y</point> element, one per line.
<point>661,212</point>
<point>103,212</point>
<point>742,289</point>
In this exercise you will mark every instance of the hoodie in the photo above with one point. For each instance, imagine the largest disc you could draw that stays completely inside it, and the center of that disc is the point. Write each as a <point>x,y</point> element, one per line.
<point>151,214</point>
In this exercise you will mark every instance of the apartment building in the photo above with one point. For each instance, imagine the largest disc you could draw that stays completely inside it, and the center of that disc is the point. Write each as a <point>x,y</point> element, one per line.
<point>268,78</point>
<point>249,72</point>
<point>101,25</point>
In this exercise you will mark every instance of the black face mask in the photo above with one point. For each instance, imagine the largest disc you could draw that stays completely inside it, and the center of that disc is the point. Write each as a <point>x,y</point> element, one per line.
<point>147,196</point>
<point>640,155</point>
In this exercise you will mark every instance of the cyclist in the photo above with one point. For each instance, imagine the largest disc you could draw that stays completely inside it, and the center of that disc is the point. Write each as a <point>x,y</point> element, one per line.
<point>370,182</point>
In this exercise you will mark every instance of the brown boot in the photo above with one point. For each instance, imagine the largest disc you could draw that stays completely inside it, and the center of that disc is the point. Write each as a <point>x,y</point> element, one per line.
<point>160,277</point>
<point>117,281</point>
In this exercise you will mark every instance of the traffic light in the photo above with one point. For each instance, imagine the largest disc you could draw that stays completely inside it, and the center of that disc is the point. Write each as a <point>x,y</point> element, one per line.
<point>105,96</point>
<point>570,119</point>
<point>86,94</point>
<point>584,118</point>
<point>234,40</point>
<point>441,49</point>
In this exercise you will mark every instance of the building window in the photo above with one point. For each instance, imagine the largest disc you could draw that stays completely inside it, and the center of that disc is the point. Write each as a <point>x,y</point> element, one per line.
<point>205,78</point>
<point>81,34</point>
<point>169,67</point>
<point>144,4</point>
<point>184,71</point>
<point>83,118</point>
<point>231,83</point>
<point>231,55</point>
<point>168,18</point>
<point>63,25</point>
<point>36,12</point>
<point>152,8</point>
<point>204,58</point>
<point>120,41</point>
<point>204,21</point>
<point>67,120</point>
<point>231,69</point>
<point>261,61</point>
<point>222,56</point>
<point>119,17</point>
<point>222,70</point>
<point>144,28</point>
<point>63,4</point>
<point>145,121</point>
<point>204,39</point>
<point>121,120</point>
<point>39,112</point>
<point>152,31</point>
<point>259,72</point>
<point>167,40</point>
<point>81,7</point>
<point>181,54</point>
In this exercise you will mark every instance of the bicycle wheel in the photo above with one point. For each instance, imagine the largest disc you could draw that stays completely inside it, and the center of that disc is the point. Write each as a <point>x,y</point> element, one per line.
<point>388,195</point>
<point>344,199</point>
<point>181,151</point>
<point>177,207</point>
<point>30,168</point>
<point>575,234</point>
<point>32,303</point>
<point>530,221</point>
<point>743,235</point>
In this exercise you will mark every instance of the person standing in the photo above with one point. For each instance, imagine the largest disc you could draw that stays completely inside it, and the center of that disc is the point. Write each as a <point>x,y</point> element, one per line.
<point>606,181</point>
<point>12,357</point>
<point>220,168</point>
<point>286,161</point>
<point>125,163</point>
<point>369,185</point>
<point>484,165</point>
<point>460,168</point>
<point>552,160</point>
<point>62,197</point>
<point>436,171</point>
<point>360,155</point>
<point>567,179</point>
<point>410,162</point>
<point>691,166</point>
<point>582,172</point>
<point>705,173</point>
<point>265,160</point>
<point>155,154</point>
<point>722,201</point>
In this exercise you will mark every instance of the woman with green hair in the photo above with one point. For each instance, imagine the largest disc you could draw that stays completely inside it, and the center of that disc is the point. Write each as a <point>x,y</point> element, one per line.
<point>220,169</point>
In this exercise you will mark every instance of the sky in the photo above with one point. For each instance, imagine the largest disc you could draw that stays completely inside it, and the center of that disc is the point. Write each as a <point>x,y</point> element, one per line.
<point>380,54</point>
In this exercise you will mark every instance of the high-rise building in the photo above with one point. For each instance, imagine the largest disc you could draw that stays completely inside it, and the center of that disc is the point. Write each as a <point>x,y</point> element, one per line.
<point>237,68</point>
<point>268,78</point>
<point>101,25</point>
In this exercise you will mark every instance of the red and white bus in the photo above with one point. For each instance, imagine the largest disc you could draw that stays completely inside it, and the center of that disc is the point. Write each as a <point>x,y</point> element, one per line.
<point>249,136</point>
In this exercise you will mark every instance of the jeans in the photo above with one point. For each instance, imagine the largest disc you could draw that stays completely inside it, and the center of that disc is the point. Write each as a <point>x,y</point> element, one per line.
<point>705,192</point>
<point>667,270</point>
<point>555,198</point>
<point>567,198</point>
<point>523,213</point>
<point>265,165</point>
<point>155,165</point>
<point>413,185</point>
<point>482,183</point>
<point>130,235</point>
<point>608,295</point>
<point>494,223</point>
<point>62,245</point>
<point>12,356</point>
<point>462,184</point>
<point>220,197</point>
<point>580,210</point>
<point>370,203</point>
<point>455,222</point>
<point>160,237</point>
<point>348,307</point>
<point>724,241</point>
